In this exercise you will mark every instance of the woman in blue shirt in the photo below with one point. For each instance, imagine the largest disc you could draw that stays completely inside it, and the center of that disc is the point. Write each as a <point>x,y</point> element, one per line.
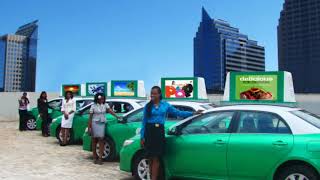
<point>152,131</point>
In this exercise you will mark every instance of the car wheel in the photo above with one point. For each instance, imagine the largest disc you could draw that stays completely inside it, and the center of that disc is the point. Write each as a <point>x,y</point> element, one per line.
<point>297,172</point>
<point>141,170</point>
<point>109,150</point>
<point>59,136</point>
<point>31,124</point>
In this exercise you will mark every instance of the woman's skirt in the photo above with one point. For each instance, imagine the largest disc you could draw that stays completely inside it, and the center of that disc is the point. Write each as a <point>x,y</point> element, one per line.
<point>154,140</point>
<point>67,123</point>
<point>98,129</point>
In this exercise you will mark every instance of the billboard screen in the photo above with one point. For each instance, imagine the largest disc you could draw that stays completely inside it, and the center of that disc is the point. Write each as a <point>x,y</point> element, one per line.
<point>179,88</point>
<point>75,88</point>
<point>124,88</point>
<point>256,87</point>
<point>94,88</point>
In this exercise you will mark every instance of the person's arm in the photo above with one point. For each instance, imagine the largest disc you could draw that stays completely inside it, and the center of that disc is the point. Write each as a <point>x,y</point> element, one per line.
<point>144,122</point>
<point>20,102</point>
<point>28,102</point>
<point>39,106</point>
<point>175,112</point>
<point>62,107</point>
<point>109,110</point>
<point>90,119</point>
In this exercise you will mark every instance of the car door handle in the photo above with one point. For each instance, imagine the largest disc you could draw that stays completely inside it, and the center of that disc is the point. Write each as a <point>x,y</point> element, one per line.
<point>279,143</point>
<point>220,142</point>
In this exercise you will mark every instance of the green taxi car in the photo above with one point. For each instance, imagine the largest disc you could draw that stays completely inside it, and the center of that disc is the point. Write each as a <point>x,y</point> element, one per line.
<point>33,121</point>
<point>81,118</point>
<point>245,142</point>
<point>55,108</point>
<point>118,132</point>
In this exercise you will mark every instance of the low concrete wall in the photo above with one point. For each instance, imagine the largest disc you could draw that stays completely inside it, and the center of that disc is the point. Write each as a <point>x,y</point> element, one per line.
<point>9,104</point>
<point>310,102</point>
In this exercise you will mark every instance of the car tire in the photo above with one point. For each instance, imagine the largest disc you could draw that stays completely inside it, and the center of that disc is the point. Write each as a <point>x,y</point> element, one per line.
<point>109,153</point>
<point>59,136</point>
<point>31,123</point>
<point>297,172</point>
<point>140,168</point>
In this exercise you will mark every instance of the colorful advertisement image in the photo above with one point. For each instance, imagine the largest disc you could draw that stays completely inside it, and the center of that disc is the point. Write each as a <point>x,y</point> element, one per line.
<point>179,88</point>
<point>124,88</point>
<point>94,88</point>
<point>256,87</point>
<point>73,88</point>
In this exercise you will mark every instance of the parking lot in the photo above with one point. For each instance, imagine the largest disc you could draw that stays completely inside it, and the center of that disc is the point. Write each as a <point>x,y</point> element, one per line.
<point>27,155</point>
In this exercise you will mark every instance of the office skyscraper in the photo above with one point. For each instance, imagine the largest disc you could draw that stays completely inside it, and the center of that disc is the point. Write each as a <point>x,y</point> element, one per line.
<point>299,43</point>
<point>220,48</point>
<point>18,57</point>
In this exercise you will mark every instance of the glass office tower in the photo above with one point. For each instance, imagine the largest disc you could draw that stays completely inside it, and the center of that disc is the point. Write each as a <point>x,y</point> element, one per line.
<point>220,48</point>
<point>299,43</point>
<point>18,56</point>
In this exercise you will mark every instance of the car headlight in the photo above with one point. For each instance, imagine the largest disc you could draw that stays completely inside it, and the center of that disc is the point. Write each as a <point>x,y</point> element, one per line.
<point>54,120</point>
<point>127,142</point>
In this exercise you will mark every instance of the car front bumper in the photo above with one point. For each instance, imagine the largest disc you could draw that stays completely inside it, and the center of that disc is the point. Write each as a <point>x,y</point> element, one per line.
<point>127,154</point>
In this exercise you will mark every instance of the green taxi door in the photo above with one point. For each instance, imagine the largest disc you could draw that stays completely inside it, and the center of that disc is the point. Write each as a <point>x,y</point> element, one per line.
<point>199,149</point>
<point>125,129</point>
<point>261,140</point>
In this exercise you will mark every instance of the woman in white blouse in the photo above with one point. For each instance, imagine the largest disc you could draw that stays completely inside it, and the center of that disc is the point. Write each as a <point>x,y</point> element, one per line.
<point>68,109</point>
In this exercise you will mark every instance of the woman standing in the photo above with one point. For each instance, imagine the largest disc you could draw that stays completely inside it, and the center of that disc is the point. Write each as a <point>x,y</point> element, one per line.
<point>23,111</point>
<point>68,108</point>
<point>152,131</point>
<point>97,123</point>
<point>43,111</point>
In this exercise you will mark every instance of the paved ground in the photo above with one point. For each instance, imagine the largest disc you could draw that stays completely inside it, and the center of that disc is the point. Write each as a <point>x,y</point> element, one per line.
<point>27,155</point>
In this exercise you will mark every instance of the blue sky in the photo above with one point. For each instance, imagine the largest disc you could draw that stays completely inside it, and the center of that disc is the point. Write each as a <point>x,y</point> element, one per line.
<point>100,40</point>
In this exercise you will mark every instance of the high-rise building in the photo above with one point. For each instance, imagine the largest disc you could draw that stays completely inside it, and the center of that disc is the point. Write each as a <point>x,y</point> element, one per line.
<point>299,43</point>
<point>220,48</point>
<point>18,57</point>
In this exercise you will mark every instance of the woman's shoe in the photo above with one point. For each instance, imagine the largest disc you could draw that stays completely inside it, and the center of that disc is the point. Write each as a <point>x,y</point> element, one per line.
<point>100,162</point>
<point>95,161</point>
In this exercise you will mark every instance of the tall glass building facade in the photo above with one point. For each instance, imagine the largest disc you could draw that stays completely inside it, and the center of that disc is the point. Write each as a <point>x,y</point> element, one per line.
<point>2,63</point>
<point>18,56</point>
<point>299,43</point>
<point>220,48</point>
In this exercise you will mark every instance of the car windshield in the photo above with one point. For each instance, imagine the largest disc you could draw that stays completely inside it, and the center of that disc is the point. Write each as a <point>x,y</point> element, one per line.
<point>142,103</point>
<point>208,106</point>
<point>307,116</point>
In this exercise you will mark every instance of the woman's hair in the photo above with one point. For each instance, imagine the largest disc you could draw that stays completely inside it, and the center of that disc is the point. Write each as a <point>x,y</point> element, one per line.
<point>150,103</point>
<point>66,93</point>
<point>96,98</point>
<point>42,93</point>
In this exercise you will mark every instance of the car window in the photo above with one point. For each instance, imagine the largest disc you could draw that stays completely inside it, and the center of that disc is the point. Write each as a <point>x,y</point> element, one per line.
<point>120,107</point>
<point>261,122</point>
<point>308,116</point>
<point>55,104</point>
<point>85,110</point>
<point>172,117</point>
<point>142,103</point>
<point>136,116</point>
<point>82,103</point>
<point>217,122</point>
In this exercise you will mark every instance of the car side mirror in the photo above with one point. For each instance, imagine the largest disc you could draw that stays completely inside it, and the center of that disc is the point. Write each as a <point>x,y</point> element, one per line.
<point>175,131</point>
<point>122,120</point>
